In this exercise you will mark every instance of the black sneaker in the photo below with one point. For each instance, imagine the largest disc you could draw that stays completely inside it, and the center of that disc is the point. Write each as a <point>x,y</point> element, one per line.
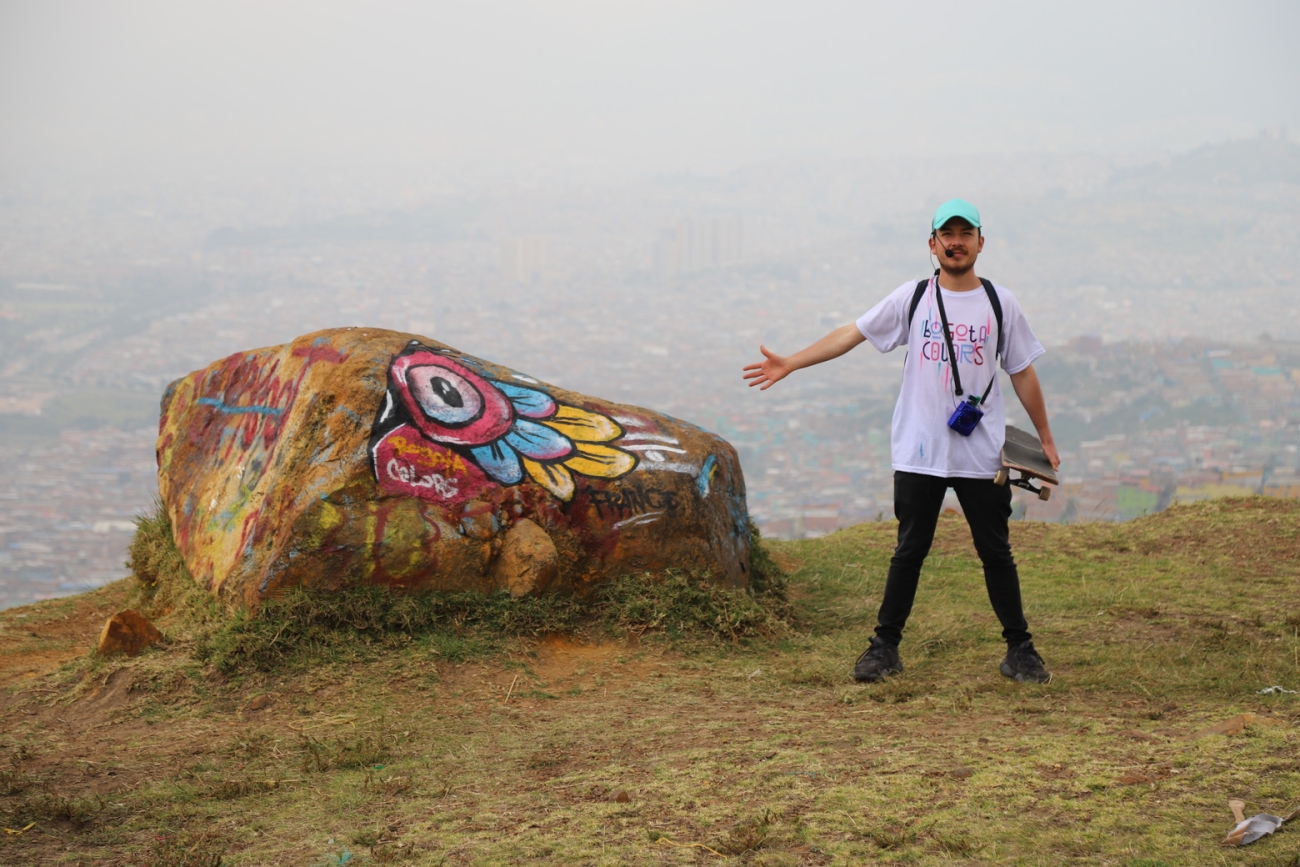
<point>878,661</point>
<point>1024,664</point>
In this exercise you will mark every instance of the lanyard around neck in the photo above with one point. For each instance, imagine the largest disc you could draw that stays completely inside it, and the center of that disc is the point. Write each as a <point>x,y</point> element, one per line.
<point>947,336</point>
<point>952,356</point>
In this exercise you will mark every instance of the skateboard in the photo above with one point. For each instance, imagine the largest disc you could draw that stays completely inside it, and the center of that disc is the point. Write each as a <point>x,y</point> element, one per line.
<point>1023,453</point>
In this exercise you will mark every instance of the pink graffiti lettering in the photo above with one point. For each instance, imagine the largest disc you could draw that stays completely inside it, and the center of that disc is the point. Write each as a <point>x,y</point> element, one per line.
<point>961,332</point>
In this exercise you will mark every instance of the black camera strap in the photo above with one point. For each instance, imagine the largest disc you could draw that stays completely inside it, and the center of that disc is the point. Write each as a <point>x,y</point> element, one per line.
<point>947,336</point>
<point>952,355</point>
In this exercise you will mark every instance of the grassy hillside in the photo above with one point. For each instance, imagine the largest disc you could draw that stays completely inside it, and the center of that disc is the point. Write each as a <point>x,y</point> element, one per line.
<point>675,726</point>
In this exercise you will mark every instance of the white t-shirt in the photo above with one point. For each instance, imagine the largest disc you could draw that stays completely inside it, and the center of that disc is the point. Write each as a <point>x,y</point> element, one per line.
<point>921,440</point>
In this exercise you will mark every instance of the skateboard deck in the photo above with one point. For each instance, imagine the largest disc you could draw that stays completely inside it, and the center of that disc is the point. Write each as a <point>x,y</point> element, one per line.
<point>1023,453</point>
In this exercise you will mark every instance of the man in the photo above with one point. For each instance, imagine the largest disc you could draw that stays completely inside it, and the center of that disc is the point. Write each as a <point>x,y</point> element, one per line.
<point>928,456</point>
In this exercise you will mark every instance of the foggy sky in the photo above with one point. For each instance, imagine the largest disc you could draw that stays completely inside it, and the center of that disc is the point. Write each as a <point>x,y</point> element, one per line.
<point>580,88</point>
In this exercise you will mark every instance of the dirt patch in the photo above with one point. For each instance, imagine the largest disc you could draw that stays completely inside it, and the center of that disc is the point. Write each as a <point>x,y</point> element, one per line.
<point>109,695</point>
<point>564,663</point>
<point>37,639</point>
<point>561,656</point>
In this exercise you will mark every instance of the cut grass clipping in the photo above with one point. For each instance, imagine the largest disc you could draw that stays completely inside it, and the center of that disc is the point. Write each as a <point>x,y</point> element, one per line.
<point>303,627</point>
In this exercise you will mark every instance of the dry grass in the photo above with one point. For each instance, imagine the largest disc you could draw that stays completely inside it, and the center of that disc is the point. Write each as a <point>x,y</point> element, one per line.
<point>756,752</point>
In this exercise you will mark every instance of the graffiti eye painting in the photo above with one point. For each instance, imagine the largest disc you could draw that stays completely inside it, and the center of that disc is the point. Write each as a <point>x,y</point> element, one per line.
<point>446,433</point>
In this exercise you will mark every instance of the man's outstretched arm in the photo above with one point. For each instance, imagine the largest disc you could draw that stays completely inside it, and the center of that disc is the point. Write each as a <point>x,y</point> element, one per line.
<point>774,368</point>
<point>1031,398</point>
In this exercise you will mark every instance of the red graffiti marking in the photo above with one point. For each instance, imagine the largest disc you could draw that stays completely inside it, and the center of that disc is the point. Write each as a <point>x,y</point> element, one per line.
<point>314,354</point>
<point>252,397</point>
<point>249,526</point>
<point>433,531</point>
<point>477,511</point>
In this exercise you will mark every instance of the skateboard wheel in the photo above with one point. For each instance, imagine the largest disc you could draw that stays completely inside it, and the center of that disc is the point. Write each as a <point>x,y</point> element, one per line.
<point>1044,493</point>
<point>1002,477</point>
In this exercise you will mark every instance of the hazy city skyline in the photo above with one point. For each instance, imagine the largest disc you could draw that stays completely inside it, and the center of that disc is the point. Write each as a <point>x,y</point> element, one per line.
<point>416,97</point>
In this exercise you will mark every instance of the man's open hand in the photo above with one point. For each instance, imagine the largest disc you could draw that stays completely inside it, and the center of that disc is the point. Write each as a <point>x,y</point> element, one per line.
<point>771,370</point>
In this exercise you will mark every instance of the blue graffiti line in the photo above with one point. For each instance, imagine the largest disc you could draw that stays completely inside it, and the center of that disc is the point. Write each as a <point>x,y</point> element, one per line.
<point>706,475</point>
<point>239,410</point>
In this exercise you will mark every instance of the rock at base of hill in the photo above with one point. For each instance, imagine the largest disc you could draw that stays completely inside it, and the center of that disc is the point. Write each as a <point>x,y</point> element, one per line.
<point>368,457</point>
<point>529,561</point>
<point>127,632</point>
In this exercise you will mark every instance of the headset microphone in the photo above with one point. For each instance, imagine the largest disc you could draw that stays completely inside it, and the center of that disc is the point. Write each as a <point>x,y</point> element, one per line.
<point>947,251</point>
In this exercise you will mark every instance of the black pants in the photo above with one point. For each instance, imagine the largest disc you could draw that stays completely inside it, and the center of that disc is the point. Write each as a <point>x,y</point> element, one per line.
<point>917,501</point>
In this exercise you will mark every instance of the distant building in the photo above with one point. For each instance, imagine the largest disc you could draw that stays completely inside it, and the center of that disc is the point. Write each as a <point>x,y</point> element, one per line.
<point>523,259</point>
<point>697,244</point>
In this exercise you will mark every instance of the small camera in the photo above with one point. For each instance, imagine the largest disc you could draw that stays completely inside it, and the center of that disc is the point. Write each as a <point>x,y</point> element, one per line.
<point>966,417</point>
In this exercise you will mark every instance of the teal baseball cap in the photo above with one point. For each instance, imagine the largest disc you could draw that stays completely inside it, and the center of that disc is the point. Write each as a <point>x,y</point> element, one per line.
<point>955,208</point>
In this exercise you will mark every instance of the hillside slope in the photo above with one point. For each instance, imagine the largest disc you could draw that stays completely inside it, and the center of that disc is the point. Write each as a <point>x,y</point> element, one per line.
<point>447,746</point>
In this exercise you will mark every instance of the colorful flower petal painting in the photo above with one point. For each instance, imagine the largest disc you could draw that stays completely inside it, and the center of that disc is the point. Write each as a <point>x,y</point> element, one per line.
<point>446,432</point>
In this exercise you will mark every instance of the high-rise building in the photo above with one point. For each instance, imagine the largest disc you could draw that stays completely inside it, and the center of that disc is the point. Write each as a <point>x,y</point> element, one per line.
<point>523,258</point>
<point>696,244</point>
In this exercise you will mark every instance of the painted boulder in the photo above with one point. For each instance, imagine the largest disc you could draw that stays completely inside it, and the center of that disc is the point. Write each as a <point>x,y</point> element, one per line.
<point>362,456</point>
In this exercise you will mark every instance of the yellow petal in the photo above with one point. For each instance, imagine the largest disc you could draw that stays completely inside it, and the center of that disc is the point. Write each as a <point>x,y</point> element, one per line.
<point>604,462</point>
<point>580,425</point>
<point>554,477</point>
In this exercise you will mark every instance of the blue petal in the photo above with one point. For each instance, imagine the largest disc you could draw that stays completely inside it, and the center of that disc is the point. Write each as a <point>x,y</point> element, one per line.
<point>528,401</point>
<point>500,462</point>
<point>538,441</point>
